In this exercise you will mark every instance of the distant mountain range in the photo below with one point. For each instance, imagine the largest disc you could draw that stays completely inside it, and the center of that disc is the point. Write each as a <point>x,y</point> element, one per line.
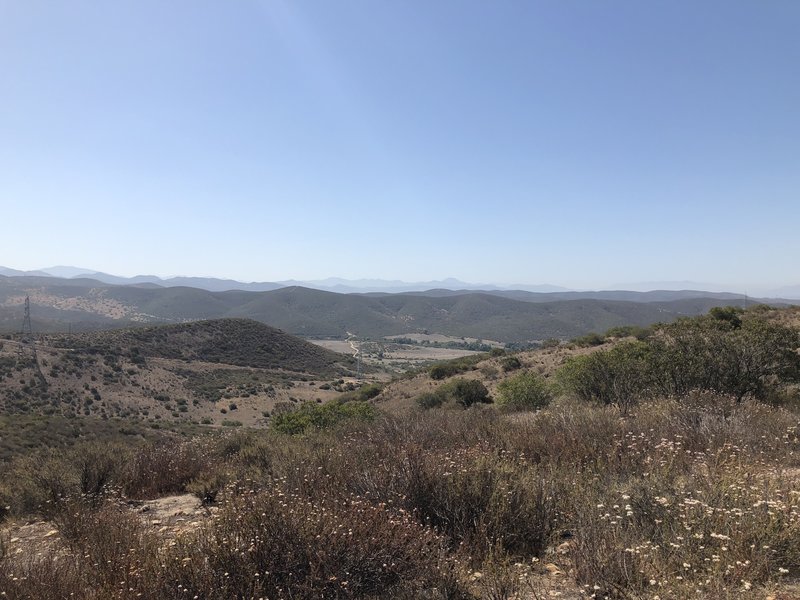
<point>59,304</point>
<point>213,284</point>
<point>354,286</point>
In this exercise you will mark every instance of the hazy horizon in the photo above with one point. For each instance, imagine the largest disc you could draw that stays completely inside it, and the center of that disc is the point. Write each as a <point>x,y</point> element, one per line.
<point>791,291</point>
<point>578,145</point>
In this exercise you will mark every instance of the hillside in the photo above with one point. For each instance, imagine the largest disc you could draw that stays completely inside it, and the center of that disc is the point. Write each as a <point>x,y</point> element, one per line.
<point>240,342</point>
<point>233,370</point>
<point>85,304</point>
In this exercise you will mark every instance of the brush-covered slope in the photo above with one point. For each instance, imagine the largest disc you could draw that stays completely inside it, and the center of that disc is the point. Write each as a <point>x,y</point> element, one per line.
<point>81,304</point>
<point>210,372</point>
<point>314,313</point>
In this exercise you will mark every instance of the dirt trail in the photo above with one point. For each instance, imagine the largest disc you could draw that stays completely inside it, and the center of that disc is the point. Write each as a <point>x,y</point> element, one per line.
<point>174,514</point>
<point>171,515</point>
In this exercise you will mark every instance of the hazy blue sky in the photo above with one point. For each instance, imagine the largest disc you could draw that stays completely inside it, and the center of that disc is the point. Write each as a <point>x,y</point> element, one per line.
<point>575,143</point>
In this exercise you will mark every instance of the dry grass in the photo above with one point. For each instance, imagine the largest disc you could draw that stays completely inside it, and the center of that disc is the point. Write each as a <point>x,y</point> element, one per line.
<point>695,497</point>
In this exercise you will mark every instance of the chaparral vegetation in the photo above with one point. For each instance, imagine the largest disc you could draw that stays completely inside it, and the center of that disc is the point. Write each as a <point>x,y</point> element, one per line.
<point>658,463</point>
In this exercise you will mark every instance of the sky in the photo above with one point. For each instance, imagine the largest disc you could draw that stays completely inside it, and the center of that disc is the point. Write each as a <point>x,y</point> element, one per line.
<point>581,144</point>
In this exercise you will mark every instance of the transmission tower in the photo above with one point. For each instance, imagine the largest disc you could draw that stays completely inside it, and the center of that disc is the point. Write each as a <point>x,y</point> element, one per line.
<point>27,329</point>
<point>29,343</point>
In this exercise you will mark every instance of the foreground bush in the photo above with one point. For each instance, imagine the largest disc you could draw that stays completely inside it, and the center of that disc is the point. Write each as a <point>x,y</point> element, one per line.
<point>107,553</point>
<point>161,469</point>
<point>267,544</point>
<point>672,497</point>
<point>278,545</point>
<point>719,537</point>
<point>39,483</point>
<point>485,502</point>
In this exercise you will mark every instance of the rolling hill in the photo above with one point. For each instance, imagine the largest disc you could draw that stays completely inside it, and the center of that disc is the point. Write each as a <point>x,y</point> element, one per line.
<point>205,371</point>
<point>239,342</point>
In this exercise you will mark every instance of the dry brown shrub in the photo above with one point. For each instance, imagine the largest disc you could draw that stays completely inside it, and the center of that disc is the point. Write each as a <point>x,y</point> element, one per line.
<point>104,552</point>
<point>279,545</point>
<point>161,469</point>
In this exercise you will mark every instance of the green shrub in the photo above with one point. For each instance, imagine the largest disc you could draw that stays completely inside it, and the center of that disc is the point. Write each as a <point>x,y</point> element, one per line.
<point>588,340</point>
<point>321,416</point>
<point>621,376</point>
<point>443,370</point>
<point>449,368</point>
<point>41,482</point>
<point>510,363</point>
<point>461,392</point>
<point>467,392</point>
<point>366,392</point>
<point>623,331</point>
<point>525,391</point>
<point>430,400</point>
<point>730,314</point>
<point>751,357</point>
<point>369,391</point>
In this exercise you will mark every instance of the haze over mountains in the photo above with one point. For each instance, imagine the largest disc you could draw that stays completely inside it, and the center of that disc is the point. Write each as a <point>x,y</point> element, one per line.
<point>341,285</point>
<point>331,284</point>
